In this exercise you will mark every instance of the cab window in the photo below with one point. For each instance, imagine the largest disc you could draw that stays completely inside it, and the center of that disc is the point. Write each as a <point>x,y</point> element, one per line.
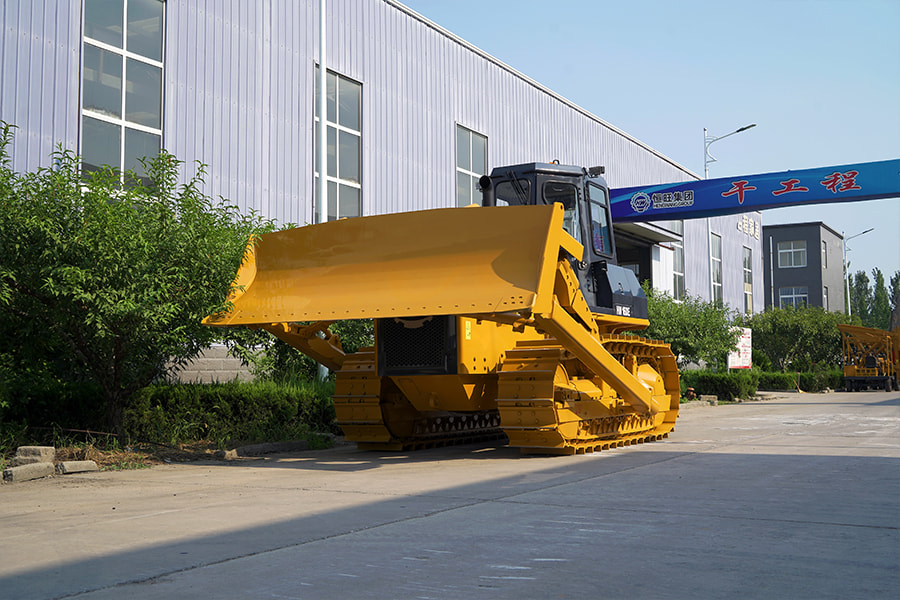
<point>512,192</point>
<point>599,204</point>
<point>567,195</point>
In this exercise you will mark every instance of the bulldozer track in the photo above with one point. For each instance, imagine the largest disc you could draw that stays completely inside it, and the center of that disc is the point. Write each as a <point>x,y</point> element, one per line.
<point>547,403</point>
<point>375,415</point>
<point>550,403</point>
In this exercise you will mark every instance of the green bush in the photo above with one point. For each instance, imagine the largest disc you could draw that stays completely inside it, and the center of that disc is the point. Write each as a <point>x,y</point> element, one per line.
<point>740,383</point>
<point>809,381</point>
<point>816,381</point>
<point>228,413</point>
<point>761,360</point>
<point>796,339</point>
<point>776,380</point>
<point>109,283</point>
<point>44,401</point>
<point>744,383</point>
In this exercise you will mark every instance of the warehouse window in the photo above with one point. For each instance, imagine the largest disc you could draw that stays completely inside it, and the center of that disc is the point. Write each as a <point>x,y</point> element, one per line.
<point>678,261</point>
<point>748,281</point>
<point>678,270</point>
<point>793,296</point>
<point>344,173</point>
<point>715,266</point>
<point>792,254</point>
<point>825,298</point>
<point>121,108</point>
<point>824,254</point>
<point>471,164</point>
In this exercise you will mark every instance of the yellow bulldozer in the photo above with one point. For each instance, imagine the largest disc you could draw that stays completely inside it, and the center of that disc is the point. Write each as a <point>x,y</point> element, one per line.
<point>871,358</point>
<point>501,319</point>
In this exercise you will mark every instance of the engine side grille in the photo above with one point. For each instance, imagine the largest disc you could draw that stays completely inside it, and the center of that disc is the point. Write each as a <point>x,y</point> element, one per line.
<point>416,346</point>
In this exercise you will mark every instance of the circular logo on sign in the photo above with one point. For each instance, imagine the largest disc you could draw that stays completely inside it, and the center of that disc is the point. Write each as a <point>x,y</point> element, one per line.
<point>640,202</point>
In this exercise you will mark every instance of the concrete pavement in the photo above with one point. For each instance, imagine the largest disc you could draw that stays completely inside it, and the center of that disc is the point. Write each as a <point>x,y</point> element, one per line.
<point>796,497</point>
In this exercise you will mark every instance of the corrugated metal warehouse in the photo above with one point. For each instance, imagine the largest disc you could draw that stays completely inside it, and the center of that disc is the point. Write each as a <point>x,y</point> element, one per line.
<point>415,115</point>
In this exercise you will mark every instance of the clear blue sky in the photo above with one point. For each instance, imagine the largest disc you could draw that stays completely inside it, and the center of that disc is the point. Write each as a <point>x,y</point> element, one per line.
<point>820,78</point>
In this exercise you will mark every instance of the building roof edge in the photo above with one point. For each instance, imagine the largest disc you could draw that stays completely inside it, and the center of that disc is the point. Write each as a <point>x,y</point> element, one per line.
<point>805,223</point>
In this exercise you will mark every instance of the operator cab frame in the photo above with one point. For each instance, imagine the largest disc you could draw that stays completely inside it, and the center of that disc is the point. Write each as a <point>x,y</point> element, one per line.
<point>584,195</point>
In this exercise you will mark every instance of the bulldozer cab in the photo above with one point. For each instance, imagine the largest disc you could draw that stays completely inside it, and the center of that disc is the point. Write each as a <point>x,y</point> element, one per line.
<point>584,195</point>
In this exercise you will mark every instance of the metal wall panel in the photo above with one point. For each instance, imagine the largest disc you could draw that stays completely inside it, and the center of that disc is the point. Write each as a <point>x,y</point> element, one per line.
<point>40,60</point>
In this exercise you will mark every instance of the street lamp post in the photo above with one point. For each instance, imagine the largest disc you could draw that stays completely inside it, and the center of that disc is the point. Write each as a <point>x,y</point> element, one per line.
<point>847,274</point>
<point>707,142</point>
<point>708,158</point>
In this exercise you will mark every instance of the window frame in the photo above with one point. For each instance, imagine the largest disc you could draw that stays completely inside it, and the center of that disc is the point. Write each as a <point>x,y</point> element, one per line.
<point>601,206</point>
<point>793,252</point>
<point>468,173</point>
<point>341,190</point>
<point>571,214</point>
<point>121,122</point>
<point>796,294</point>
<point>748,280</point>
<point>715,269</point>
<point>678,289</point>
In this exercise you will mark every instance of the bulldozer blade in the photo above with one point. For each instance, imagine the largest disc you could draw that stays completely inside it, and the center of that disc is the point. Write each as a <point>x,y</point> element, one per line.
<point>456,261</point>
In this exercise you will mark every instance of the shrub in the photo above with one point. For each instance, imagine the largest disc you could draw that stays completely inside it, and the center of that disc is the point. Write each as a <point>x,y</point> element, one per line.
<point>777,380</point>
<point>227,413</point>
<point>809,381</point>
<point>108,282</point>
<point>43,401</point>
<point>740,383</point>
<point>796,339</point>
<point>818,380</point>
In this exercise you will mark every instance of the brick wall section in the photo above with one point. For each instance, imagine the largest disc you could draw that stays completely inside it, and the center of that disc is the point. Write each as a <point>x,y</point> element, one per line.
<point>214,365</point>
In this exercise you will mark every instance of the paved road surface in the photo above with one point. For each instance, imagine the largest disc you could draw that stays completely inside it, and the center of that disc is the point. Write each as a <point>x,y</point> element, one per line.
<point>795,497</point>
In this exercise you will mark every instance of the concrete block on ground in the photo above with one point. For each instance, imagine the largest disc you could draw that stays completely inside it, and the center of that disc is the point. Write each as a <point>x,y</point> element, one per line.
<point>76,466</point>
<point>27,472</point>
<point>712,399</point>
<point>45,453</point>
<point>18,461</point>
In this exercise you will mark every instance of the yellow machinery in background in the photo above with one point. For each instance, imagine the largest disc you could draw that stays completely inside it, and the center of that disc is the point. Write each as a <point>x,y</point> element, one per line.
<point>871,358</point>
<point>501,319</point>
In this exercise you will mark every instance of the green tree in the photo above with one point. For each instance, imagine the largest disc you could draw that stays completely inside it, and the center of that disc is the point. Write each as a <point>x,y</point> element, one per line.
<point>894,292</point>
<point>109,283</point>
<point>880,312</point>
<point>861,297</point>
<point>796,339</point>
<point>695,329</point>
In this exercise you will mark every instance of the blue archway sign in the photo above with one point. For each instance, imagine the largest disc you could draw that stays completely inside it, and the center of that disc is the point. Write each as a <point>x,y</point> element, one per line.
<point>744,193</point>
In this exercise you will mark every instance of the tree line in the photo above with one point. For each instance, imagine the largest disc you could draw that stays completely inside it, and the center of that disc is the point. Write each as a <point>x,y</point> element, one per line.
<point>702,333</point>
<point>873,301</point>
